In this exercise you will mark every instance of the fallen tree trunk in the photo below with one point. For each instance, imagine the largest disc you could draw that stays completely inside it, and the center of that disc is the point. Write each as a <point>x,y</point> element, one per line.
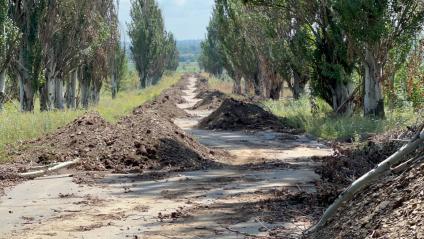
<point>54,168</point>
<point>369,177</point>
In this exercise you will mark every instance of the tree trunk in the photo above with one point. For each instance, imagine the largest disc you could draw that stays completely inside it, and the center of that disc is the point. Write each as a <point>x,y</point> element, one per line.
<point>95,91</point>
<point>85,91</point>
<point>26,93</point>
<point>270,81</point>
<point>114,83</point>
<point>373,88</point>
<point>342,98</point>
<point>142,81</point>
<point>276,87</point>
<point>298,85</point>
<point>71,90</point>
<point>2,89</point>
<point>237,84</point>
<point>248,86</point>
<point>59,97</point>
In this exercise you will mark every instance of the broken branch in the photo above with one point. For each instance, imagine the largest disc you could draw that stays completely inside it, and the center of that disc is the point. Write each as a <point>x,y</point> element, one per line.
<point>369,177</point>
<point>56,167</point>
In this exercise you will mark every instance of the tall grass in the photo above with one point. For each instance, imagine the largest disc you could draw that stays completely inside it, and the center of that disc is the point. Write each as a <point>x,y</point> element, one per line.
<point>223,84</point>
<point>325,125</point>
<point>16,126</point>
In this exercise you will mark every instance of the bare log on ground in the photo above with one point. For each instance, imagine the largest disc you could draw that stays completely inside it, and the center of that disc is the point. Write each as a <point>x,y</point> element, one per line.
<point>54,168</point>
<point>369,177</point>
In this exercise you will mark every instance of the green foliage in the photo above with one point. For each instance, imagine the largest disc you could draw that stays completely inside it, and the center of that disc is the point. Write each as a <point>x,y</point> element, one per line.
<point>153,49</point>
<point>189,50</point>
<point>9,36</point>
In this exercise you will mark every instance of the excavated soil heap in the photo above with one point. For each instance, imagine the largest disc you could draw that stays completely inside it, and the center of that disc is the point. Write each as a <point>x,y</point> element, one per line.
<point>390,208</point>
<point>136,143</point>
<point>240,115</point>
<point>147,139</point>
<point>211,99</point>
<point>164,106</point>
<point>166,103</point>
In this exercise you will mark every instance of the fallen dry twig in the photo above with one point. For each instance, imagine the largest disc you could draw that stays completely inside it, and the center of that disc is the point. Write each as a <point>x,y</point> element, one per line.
<point>54,168</point>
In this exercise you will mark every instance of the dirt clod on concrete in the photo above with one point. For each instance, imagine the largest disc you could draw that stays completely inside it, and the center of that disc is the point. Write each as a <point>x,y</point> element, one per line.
<point>241,115</point>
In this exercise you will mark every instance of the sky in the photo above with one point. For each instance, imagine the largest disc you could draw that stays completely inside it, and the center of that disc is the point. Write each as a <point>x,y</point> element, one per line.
<point>186,19</point>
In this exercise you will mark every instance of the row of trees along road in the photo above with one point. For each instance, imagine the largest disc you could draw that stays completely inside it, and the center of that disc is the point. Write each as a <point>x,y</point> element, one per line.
<point>154,50</point>
<point>60,50</point>
<point>341,48</point>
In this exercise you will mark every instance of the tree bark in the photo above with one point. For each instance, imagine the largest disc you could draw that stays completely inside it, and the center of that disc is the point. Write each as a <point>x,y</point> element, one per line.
<point>270,81</point>
<point>373,88</point>
<point>71,90</point>
<point>59,97</point>
<point>342,92</point>
<point>237,84</point>
<point>114,83</point>
<point>85,91</point>
<point>96,86</point>
<point>26,93</point>
<point>298,85</point>
<point>248,86</point>
<point>2,89</point>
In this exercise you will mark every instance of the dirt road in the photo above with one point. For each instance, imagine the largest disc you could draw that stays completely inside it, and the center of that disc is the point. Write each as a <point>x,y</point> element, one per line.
<point>236,201</point>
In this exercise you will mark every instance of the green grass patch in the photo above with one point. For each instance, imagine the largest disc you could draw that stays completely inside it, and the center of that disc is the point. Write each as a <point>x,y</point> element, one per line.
<point>325,125</point>
<point>16,126</point>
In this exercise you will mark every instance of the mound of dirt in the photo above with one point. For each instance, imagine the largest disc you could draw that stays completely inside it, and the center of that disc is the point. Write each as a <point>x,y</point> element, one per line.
<point>138,142</point>
<point>349,163</point>
<point>390,208</point>
<point>166,103</point>
<point>163,106</point>
<point>240,115</point>
<point>145,140</point>
<point>211,99</point>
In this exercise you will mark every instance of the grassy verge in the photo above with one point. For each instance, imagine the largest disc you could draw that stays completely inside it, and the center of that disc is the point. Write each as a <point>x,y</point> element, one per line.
<point>326,126</point>
<point>16,126</point>
<point>224,85</point>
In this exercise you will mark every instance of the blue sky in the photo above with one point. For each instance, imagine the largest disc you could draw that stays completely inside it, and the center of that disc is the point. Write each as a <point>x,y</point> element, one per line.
<point>187,19</point>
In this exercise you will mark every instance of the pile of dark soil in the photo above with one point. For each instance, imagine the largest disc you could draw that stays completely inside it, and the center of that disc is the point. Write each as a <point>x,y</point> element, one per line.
<point>145,140</point>
<point>348,163</point>
<point>211,99</point>
<point>166,103</point>
<point>163,106</point>
<point>136,143</point>
<point>390,208</point>
<point>240,115</point>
